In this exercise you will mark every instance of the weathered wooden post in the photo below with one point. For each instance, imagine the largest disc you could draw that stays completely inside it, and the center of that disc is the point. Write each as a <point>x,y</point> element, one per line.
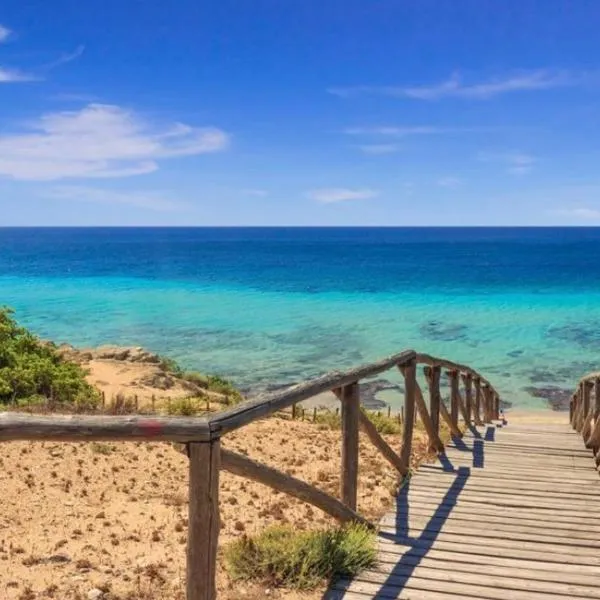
<point>432,375</point>
<point>350,414</point>
<point>453,376</point>
<point>588,412</point>
<point>409,371</point>
<point>584,404</point>
<point>203,527</point>
<point>468,381</point>
<point>478,401</point>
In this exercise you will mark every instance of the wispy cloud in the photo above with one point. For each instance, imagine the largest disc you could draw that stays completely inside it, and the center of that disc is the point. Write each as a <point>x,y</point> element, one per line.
<point>66,58</point>
<point>516,163</point>
<point>15,76</point>
<point>333,195</point>
<point>100,140</point>
<point>150,200</point>
<point>411,130</point>
<point>450,182</point>
<point>376,149</point>
<point>5,33</point>
<point>454,87</point>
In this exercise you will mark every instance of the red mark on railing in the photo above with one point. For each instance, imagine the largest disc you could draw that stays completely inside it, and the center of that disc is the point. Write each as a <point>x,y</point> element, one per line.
<point>151,427</point>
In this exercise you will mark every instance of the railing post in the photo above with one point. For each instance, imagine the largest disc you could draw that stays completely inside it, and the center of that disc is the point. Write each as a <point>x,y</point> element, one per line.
<point>468,380</point>
<point>204,525</point>
<point>477,382</point>
<point>454,396</point>
<point>410,385</point>
<point>496,406</point>
<point>432,375</point>
<point>350,411</point>
<point>584,405</point>
<point>487,403</point>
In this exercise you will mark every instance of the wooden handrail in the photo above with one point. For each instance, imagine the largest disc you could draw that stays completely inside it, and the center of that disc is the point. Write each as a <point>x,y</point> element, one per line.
<point>206,457</point>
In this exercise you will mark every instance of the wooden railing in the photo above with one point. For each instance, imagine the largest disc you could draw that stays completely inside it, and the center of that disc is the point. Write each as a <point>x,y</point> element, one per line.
<point>585,415</point>
<point>206,457</point>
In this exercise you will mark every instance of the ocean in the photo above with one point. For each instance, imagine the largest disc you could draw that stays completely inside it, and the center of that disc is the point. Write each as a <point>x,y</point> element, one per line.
<point>272,306</point>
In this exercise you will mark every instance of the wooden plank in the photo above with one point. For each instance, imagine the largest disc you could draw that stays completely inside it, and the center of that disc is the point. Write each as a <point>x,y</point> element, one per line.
<point>367,426</point>
<point>587,519</point>
<point>410,382</point>
<point>469,584</point>
<point>525,569</point>
<point>575,527</point>
<point>246,467</point>
<point>349,466</point>
<point>90,428</point>
<point>515,579</point>
<point>397,587</point>
<point>504,501</point>
<point>517,551</point>
<point>508,543</point>
<point>424,529</point>
<point>268,403</point>
<point>204,523</point>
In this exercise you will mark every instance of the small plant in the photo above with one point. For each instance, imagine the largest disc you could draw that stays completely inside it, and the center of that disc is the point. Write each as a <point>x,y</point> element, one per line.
<point>185,407</point>
<point>282,556</point>
<point>122,405</point>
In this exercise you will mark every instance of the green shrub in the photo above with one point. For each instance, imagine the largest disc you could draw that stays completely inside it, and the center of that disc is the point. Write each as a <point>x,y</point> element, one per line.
<point>186,407</point>
<point>282,556</point>
<point>383,423</point>
<point>31,370</point>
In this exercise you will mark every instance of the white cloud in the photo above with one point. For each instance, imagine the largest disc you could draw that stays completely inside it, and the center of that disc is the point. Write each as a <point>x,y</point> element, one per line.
<point>151,200</point>
<point>450,182</point>
<point>15,76</point>
<point>379,148</point>
<point>4,33</point>
<point>332,195</point>
<point>454,87</point>
<point>517,163</point>
<point>99,140</point>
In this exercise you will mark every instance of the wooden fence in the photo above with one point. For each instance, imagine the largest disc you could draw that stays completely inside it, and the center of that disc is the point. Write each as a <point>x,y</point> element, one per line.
<point>206,458</point>
<point>584,413</point>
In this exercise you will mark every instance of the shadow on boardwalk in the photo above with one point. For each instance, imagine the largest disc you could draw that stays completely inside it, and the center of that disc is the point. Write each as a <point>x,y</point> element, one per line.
<point>419,546</point>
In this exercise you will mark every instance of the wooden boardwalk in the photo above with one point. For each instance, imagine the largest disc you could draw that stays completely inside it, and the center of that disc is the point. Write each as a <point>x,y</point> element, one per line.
<point>508,513</point>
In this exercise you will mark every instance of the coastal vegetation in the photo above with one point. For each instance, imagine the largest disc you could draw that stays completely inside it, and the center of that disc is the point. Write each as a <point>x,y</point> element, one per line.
<point>282,556</point>
<point>32,371</point>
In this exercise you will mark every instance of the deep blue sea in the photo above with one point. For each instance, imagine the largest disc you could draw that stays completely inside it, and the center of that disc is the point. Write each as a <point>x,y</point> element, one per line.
<point>268,306</point>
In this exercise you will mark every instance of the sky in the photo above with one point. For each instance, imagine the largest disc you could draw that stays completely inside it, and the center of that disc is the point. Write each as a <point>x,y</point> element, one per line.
<point>298,112</point>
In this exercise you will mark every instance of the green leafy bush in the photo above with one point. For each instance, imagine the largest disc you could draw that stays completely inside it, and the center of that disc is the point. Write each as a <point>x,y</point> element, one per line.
<point>282,556</point>
<point>33,372</point>
<point>214,383</point>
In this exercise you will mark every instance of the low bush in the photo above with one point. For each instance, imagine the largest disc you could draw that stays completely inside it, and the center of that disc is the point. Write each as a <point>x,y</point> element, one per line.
<point>32,371</point>
<point>282,556</point>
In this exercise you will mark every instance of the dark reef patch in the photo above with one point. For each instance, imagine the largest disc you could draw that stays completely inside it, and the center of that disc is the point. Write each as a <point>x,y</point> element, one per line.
<point>558,398</point>
<point>443,332</point>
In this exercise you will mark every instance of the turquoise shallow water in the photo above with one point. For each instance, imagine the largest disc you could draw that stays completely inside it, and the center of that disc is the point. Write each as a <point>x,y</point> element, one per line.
<point>266,307</point>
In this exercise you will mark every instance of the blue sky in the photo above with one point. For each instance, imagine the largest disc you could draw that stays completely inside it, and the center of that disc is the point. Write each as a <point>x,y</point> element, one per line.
<point>297,112</point>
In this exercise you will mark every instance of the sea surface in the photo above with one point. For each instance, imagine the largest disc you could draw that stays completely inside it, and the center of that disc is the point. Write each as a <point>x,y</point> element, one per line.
<point>271,306</point>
